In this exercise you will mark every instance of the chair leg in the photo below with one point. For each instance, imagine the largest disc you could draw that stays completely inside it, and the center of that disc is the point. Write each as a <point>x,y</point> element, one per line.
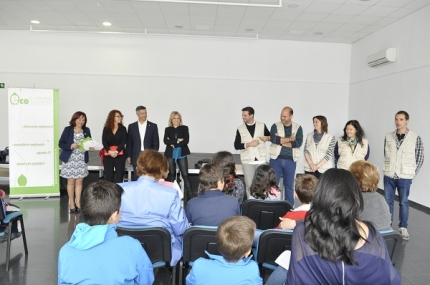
<point>24,238</point>
<point>9,235</point>
<point>174,274</point>
<point>180,272</point>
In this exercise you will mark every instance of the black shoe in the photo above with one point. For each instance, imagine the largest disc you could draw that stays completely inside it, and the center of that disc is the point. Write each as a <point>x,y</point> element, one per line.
<point>77,210</point>
<point>72,211</point>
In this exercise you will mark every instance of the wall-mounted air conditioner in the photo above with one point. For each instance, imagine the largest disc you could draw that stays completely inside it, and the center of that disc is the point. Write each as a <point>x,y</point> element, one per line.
<point>382,58</point>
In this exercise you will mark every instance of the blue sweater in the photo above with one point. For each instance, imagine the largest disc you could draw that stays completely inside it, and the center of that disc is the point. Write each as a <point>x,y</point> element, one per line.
<point>96,255</point>
<point>217,270</point>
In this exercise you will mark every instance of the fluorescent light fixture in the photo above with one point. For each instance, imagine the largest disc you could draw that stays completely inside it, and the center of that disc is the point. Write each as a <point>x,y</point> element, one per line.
<point>279,5</point>
<point>318,33</point>
<point>107,24</point>
<point>35,22</point>
<point>293,6</point>
<point>295,32</point>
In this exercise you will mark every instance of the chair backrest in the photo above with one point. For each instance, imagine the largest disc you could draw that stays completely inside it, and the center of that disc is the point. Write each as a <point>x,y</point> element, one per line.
<point>197,240</point>
<point>2,210</point>
<point>156,241</point>
<point>265,214</point>
<point>271,244</point>
<point>394,240</point>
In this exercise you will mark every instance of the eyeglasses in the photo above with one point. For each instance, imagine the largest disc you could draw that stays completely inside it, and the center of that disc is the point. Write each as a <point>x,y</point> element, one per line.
<point>118,116</point>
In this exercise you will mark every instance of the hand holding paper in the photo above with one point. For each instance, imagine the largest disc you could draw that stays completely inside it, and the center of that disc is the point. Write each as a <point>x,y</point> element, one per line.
<point>87,143</point>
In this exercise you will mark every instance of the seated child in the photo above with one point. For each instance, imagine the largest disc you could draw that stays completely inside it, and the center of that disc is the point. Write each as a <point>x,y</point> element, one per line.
<point>212,206</point>
<point>264,184</point>
<point>305,186</point>
<point>95,254</point>
<point>9,208</point>
<point>234,240</point>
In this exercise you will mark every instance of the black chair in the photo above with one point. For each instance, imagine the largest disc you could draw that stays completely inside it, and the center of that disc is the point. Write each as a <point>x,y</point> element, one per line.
<point>271,244</point>
<point>265,214</point>
<point>6,220</point>
<point>196,241</point>
<point>394,240</point>
<point>157,243</point>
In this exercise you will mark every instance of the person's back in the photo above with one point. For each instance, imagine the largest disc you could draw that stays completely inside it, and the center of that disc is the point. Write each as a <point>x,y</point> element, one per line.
<point>306,267</point>
<point>234,240</point>
<point>95,254</point>
<point>212,206</point>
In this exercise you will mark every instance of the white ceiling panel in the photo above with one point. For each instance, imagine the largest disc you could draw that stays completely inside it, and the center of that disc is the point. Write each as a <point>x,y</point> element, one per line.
<point>336,20</point>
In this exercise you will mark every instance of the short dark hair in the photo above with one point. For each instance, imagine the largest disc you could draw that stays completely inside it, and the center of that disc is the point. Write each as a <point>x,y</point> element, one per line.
<point>76,116</point>
<point>99,201</point>
<point>234,237</point>
<point>225,161</point>
<point>209,176</point>
<point>324,124</point>
<point>248,109</point>
<point>152,163</point>
<point>138,108</point>
<point>403,113</point>
<point>305,186</point>
<point>360,132</point>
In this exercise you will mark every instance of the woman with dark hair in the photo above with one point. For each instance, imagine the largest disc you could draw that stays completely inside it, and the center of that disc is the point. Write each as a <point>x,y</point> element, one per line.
<point>148,203</point>
<point>114,137</point>
<point>319,148</point>
<point>264,184</point>
<point>352,146</point>
<point>74,160</point>
<point>176,139</point>
<point>375,208</point>
<point>333,246</point>
<point>233,185</point>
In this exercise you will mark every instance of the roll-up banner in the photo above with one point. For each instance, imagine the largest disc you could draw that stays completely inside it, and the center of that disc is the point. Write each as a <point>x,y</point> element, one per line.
<point>33,142</point>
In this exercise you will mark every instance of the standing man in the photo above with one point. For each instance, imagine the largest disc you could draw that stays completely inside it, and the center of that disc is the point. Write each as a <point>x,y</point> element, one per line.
<point>250,140</point>
<point>287,138</point>
<point>404,156</point>
<point>142,135</point>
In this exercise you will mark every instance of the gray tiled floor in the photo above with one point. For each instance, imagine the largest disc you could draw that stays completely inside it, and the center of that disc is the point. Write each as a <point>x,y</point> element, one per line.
<point>49,225</point>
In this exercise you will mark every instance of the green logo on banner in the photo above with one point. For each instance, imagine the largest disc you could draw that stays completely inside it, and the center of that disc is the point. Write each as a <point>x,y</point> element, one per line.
<point>1,85</point>
<point>22,180</point>
<point>15,100</point>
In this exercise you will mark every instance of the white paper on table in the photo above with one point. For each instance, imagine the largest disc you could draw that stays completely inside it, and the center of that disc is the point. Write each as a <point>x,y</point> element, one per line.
<point>284,259</point>
<point>90,143</point>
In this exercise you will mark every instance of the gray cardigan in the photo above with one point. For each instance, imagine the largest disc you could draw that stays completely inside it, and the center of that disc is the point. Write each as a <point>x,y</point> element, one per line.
<point>376,210</point>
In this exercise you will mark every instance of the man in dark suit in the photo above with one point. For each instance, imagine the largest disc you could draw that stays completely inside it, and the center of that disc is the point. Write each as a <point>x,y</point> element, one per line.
<point>142,135</point>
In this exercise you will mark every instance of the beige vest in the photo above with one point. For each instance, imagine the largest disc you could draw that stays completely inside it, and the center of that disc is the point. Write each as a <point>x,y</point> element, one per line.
<point>249,154</point>
<point>346,157</point>
<point>275,149</point>
<point>400,161</point>
<point>318,152</point>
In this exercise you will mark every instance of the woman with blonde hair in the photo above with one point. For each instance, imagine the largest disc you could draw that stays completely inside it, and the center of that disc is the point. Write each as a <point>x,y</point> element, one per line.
<point>114,137</point>
<point>375,208</point>
<point>176,138</point>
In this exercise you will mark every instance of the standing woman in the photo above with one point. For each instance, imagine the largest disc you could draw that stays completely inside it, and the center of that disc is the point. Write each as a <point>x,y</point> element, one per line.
<point>352,146</point>
<point>319,148</point>
<point>74,160</point>
<point>114,138</point>
<point>176,138</point>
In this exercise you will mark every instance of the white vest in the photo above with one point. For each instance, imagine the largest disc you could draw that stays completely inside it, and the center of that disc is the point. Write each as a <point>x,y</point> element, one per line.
<point>275,149</point>
<point>400,161</point>
<point>346,157</point>
<point>318,152</point>
<point>249,154</point>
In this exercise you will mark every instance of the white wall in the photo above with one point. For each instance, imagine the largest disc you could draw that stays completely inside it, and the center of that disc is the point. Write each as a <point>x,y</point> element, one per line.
<point>378,93</point>
<point>208,80</point>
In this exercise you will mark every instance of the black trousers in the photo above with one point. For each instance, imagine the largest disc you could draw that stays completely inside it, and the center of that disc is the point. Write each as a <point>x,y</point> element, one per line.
<point>183,168</point>
<point>117,163</point>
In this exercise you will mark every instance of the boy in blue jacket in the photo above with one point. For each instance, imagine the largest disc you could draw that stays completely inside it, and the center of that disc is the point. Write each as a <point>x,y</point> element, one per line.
<point>234,241</point>
<point>95,254</point>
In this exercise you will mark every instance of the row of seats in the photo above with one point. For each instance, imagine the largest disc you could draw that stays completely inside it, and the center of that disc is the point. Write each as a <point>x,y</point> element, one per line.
<point>197,240</point>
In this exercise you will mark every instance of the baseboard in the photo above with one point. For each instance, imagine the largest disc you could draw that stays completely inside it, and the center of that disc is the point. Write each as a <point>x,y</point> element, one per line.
<point>413,204</point>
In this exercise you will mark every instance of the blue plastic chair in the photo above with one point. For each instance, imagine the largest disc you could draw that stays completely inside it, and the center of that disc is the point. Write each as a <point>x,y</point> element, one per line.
<point>6,236</point>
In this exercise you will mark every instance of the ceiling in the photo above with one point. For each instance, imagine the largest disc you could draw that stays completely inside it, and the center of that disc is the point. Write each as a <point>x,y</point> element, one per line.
<point>339,21</point>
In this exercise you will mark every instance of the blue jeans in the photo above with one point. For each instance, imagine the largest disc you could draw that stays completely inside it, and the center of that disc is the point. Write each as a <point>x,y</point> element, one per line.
<point>287,169</point>
<point>278,276</point>
<point>403,186</point>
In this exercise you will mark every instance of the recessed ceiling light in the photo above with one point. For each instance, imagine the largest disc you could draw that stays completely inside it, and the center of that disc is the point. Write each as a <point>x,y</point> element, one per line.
<point>35,22</point>
<point>295,32</point>
<point>107,24</point>
<point>249,30</point>
<point>179,27</point>
<point>318,33</point>
<point>293,6</point>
